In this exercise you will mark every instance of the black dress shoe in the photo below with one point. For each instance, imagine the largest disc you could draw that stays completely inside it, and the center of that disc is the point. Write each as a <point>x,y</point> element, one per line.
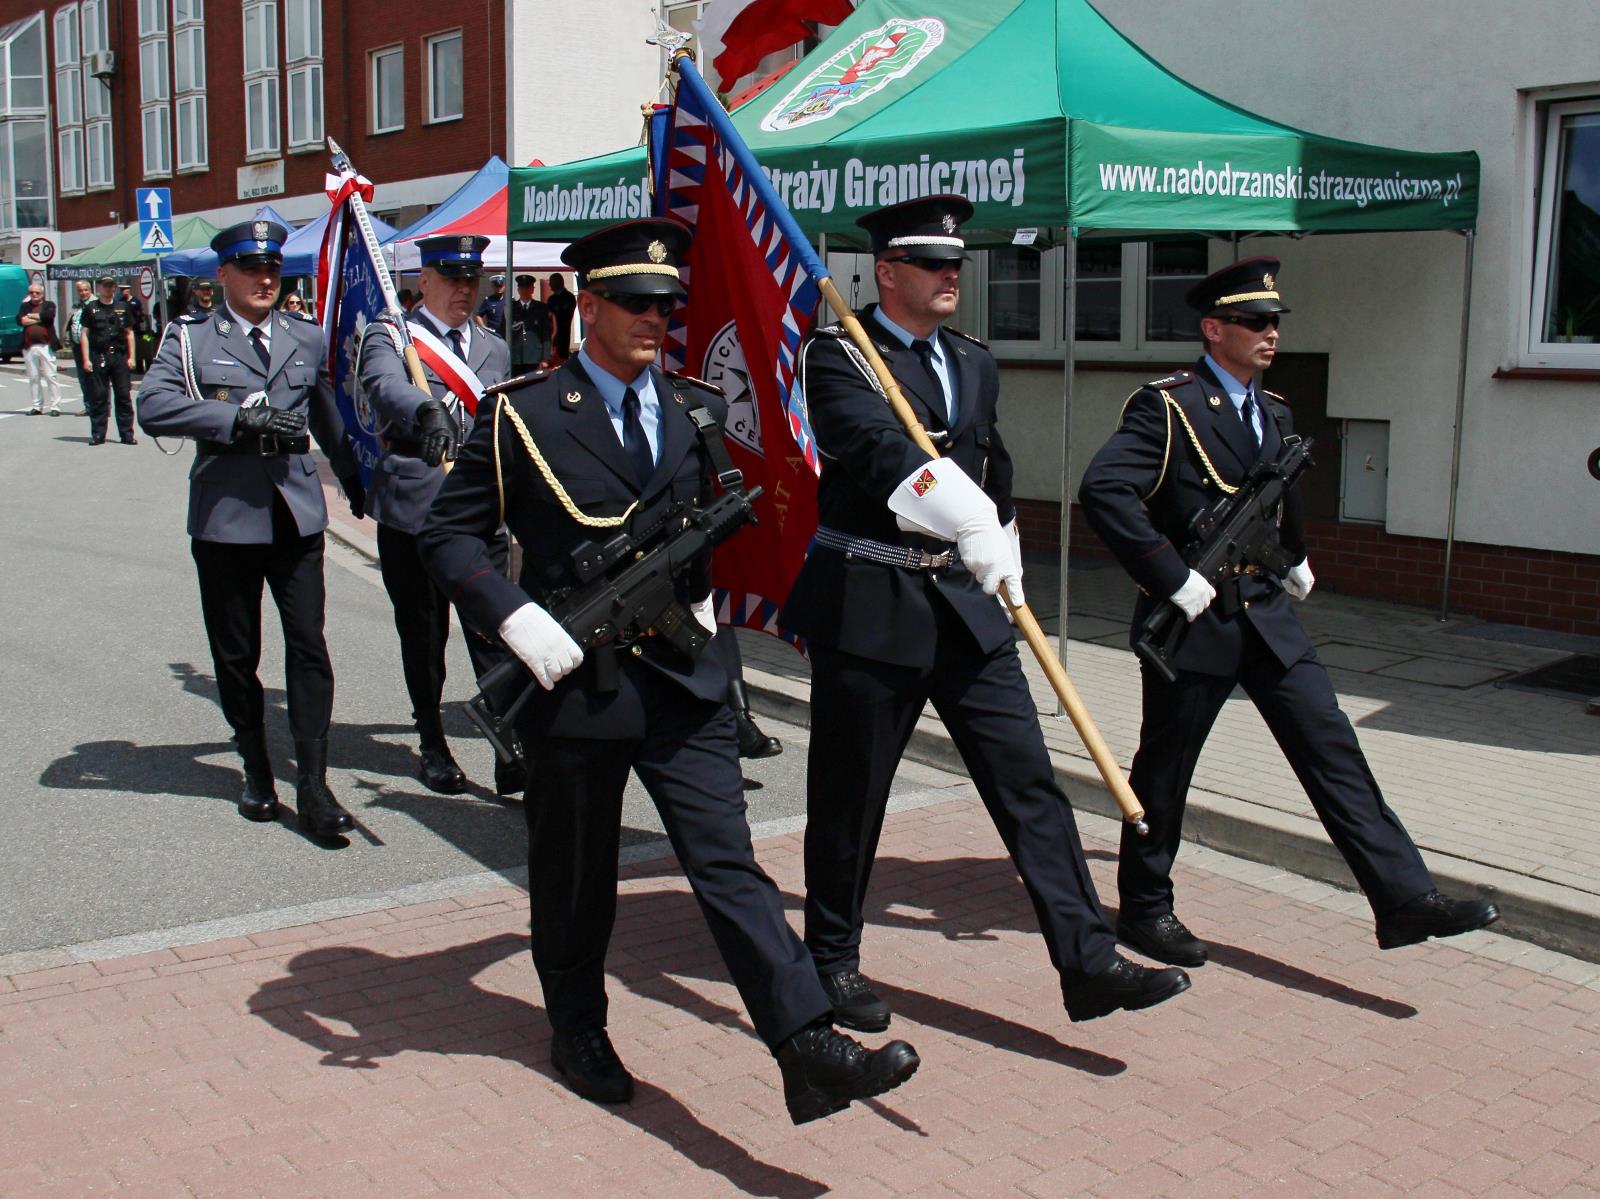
<point>824,1070</point>
<point>1164,938</point>
<point>1122,986</point>
<point>510,778</point>
<point>591,1066</point>
<point>753,743</point>
<point>440,773</point>
<point>855,1004</point>
<point>1433,915</point>
<point>319,812</point>
<point>259,800</point>
<point>130,440</point>
<point>97,440</point>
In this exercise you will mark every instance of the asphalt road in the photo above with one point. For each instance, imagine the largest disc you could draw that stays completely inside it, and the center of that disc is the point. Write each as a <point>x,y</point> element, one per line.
<point>117,778</point>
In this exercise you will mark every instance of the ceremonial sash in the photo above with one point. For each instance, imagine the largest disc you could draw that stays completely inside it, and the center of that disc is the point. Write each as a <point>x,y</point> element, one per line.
<point>444,362</point>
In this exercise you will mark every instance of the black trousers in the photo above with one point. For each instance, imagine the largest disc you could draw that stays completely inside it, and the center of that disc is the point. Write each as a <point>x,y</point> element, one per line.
<point>422,618</point>
<point>230,600</point>
<point>688,762</point>
<point>862,715</point>
<point>111,381</point>
<point>1302,711</point>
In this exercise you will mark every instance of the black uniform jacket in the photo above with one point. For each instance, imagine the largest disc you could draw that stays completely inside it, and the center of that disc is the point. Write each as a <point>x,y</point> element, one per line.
<point>885,613</point>
<point>566,419</point>
<point>1180,443</point>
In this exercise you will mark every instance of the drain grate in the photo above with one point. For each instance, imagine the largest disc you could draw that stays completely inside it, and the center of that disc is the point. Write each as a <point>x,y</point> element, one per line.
<point>1577,676</point>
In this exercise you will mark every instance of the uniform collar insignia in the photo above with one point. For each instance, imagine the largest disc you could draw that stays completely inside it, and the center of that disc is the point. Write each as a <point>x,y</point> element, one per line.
<point>283,322</point>
<point>1214,401</point>
<point>573,397</point>
<point>677,397</point>
<point>224,327</point>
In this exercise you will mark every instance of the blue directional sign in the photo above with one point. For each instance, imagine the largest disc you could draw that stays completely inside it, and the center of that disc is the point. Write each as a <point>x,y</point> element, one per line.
<point>155,221</point>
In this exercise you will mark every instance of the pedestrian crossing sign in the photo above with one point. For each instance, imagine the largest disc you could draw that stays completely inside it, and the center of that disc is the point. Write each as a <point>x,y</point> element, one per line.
<point>157,240</point>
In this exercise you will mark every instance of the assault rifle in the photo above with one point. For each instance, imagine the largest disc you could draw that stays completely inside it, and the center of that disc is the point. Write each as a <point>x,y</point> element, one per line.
<point>1238,532</point>
<point>625,587</point>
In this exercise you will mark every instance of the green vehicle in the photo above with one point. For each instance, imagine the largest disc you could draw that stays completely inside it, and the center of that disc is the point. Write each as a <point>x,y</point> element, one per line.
<point>13,290</point>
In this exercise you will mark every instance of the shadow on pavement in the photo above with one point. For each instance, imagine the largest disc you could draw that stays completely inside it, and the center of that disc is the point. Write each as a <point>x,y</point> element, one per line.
<point>1247,961</point>
<point>438,1008</point>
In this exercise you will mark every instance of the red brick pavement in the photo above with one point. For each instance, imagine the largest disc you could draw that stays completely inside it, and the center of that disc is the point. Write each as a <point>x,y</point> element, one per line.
<point>403,1053</point>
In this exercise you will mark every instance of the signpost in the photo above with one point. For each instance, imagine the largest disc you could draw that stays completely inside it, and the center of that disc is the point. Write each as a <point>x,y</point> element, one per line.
<point>155,220</point>
<point>40,247</point>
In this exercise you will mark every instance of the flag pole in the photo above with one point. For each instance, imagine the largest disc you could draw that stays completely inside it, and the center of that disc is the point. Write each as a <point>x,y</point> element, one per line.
<point>682,64</point>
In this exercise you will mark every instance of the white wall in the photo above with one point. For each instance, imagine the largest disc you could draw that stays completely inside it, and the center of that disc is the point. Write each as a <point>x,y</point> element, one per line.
<point>1424,75</point>
<point>577,72</point>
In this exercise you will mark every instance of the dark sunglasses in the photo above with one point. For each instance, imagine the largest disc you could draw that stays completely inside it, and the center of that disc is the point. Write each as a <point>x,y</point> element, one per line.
<point>638,305</point>
<point>932,265</point>
<point>1254,323</point>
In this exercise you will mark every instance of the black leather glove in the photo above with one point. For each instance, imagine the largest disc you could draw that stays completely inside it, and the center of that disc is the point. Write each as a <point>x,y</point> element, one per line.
<point>356,494</point>
<point>436,431</point>
<point>265,419</point>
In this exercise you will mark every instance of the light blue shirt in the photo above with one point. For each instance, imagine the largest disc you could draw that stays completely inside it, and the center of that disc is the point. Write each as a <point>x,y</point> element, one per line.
<point>612,389</point>
<point>1237,392</point>
<point>941,364</point>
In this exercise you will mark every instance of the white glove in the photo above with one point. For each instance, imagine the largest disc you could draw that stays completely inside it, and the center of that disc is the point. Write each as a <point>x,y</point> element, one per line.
<point>1014,585</point>
<point>1195,596</point>
<point>939,500</point>
<point>1299,581</point>
<point>543,645</point>
<point>705,612</point>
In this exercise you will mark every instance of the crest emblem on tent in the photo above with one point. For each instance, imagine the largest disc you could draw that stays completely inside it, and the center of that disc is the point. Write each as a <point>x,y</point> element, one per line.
<point>860,69</point>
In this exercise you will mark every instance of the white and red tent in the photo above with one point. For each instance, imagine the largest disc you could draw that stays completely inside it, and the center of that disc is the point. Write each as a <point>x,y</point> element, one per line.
<point>477,206</point>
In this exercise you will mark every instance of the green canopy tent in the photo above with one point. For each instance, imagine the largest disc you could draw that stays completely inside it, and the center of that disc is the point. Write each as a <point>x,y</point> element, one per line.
<point>119,254</point>
<point>1046,117</point>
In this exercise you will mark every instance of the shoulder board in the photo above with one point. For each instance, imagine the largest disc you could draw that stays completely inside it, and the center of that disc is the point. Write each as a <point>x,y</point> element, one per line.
<point>193,318</point>
<point>516,381</point>
<point>683,377</point>
<point>1176,379</point>
<point>1274,395</point>
<point>835,331</point>
<point>965,336</point>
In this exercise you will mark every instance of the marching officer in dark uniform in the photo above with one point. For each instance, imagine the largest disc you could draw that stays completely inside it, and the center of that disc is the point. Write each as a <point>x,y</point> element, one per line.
<point>106,344</point>
<point>1183,444</point>
<point>420,431</point>
<point>563,459</point>
<point>245,382</point>
<point>897,602</point>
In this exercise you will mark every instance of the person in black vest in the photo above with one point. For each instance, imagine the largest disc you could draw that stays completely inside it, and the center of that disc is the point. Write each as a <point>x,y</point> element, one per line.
<point>106,344</point>
<point>563,459</point>
<point>897,602</point>
<point>562,306</point>
<point>1184,442</point>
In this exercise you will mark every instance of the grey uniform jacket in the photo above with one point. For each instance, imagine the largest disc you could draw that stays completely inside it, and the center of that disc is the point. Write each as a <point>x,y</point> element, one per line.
<point>403,485</point>
<point>230,495</point>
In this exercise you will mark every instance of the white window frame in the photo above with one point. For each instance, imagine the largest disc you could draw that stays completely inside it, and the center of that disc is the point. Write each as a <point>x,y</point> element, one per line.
<point>190,152</point>
<point>261,79</point>
<point>185,12</point>
<point>189,42</point>
<point>152,18</point>
<point>1133,346</point>
<point>256,146</point>
<point>155,71</point>
<point>97,135</point>
<point>1542,141</point>
<point>266,41</point>
<point>68,39</point>
<point>398,53</point>
<point>430,44</point>
<point>190,110</point>
<point>69,161</point>
<point>156,119</point>
<point>302,16</point>
<point>94,23</point>
<point>305,105</point>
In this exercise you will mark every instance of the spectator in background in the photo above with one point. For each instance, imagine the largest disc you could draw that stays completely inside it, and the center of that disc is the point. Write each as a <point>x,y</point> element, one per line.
<point>561,305</point>
<point>200,296</point>
<point>37,316</point>
<point>144,334</point>
<point>74,335</point>
<point>293,303</point>
<point>408,299</point>
<point>491,314</point>
<point>530,328</point>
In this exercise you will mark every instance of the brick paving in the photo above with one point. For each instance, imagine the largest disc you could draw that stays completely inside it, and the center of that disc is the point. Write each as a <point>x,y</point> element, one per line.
<point>403,1053</point>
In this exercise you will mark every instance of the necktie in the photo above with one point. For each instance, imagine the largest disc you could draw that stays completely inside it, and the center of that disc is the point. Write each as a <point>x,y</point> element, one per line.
<point>924,353</point>
<point>455,344</point>
<point>259,344</point>
<point>1247,413</point>
<point>634,442</point>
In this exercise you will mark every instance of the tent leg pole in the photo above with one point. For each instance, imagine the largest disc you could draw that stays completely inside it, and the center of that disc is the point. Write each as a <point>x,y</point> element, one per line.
<point>1461,402</point>
<point>1070,328</point>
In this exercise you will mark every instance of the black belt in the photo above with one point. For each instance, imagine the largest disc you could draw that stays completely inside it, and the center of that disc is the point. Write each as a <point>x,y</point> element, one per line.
<point>267,446</point>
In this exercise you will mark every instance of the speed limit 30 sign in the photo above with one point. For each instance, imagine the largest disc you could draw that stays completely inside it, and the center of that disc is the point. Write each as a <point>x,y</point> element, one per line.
<point>40,247</point>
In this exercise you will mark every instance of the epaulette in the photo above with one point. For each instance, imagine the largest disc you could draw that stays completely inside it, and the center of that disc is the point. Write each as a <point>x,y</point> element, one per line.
<point>834,330</point>
<point>1274,395</point>
<point>688,378</point>
<point>195,318</point>
<point>1172,380</point>
<point>516,381</point>
<point>965,337</point>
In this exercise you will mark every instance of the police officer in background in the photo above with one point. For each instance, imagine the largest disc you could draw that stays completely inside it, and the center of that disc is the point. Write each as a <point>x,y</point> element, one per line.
<point>617,436</point>
<point>420,431</point>
<point>897,602</point>
<point>491,313</point>
<point>531,326</point>
<point>200,298</point>
<point>1183,444</point>
<point>245,382</point>
<point>106,343</point>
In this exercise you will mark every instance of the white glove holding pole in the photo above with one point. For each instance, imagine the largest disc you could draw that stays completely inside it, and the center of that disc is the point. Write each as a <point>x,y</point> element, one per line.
<point>1299,581</point>
<point>705,611</point>
<point>939,500</point>
<point>541,643</point>
<point>1014,586</point>
<point>1195,596</point>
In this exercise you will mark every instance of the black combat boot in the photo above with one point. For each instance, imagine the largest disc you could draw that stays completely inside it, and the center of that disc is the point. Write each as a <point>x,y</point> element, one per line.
<point>753,743</point>
<point>824,1070</point>
<point>259,799</point>
<point>320,813</point>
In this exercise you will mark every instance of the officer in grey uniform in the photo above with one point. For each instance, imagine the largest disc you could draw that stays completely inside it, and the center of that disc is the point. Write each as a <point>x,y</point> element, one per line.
<point>420,431</point>
<point>245,382</point>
